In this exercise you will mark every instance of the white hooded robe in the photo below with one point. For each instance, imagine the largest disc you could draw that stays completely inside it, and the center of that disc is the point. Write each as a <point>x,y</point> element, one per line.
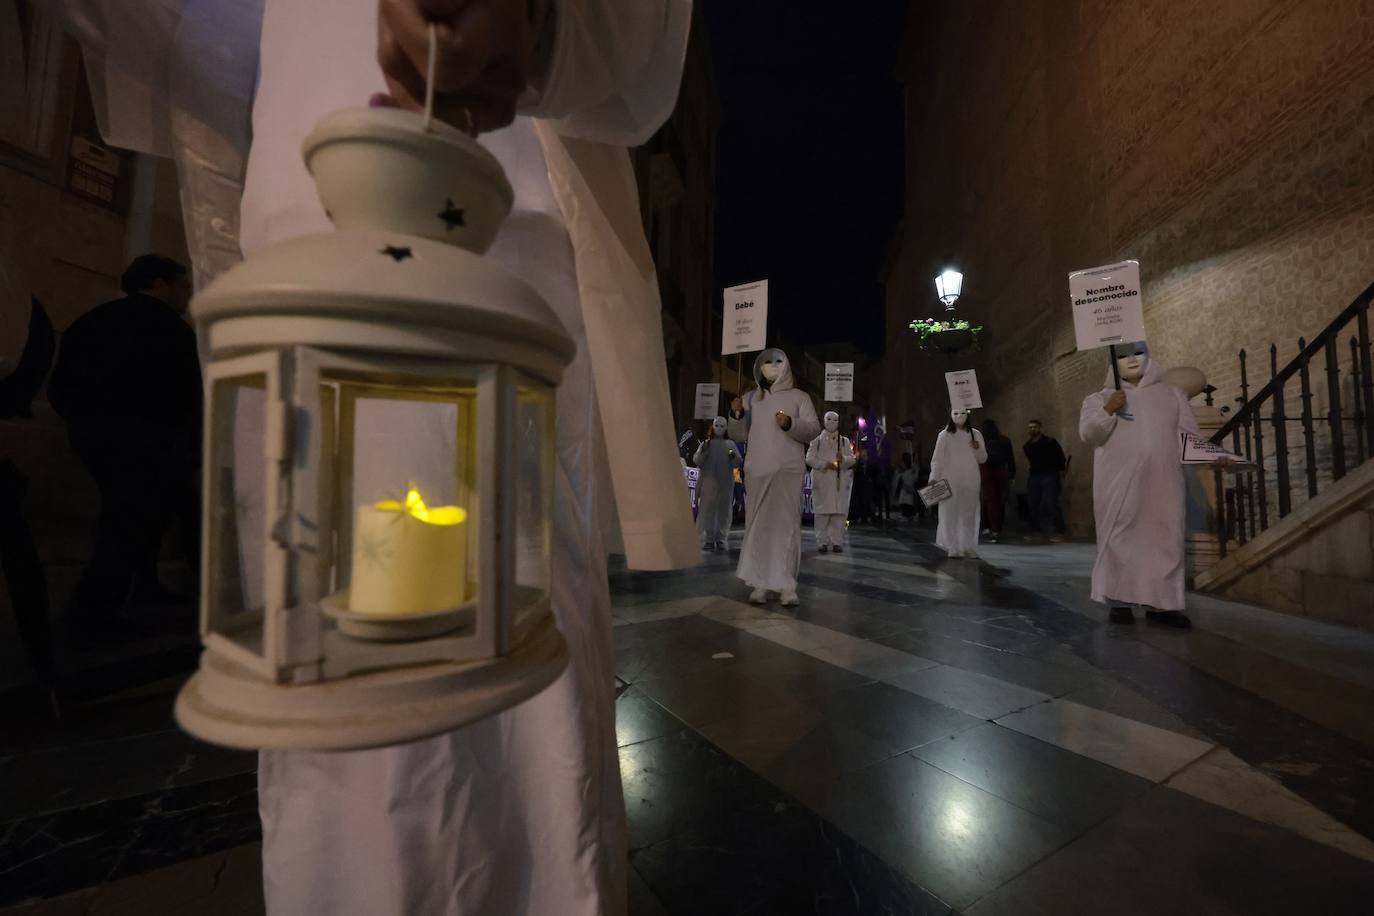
<point>955,461</point>
<point>717,458</point>
<point>520,813</point>
<point>1138,492</point>
<point>774,468</point>
<point>830,489</point>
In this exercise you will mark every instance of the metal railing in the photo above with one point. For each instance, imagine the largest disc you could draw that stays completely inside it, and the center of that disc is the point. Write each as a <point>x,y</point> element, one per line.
<point>1332,444</point>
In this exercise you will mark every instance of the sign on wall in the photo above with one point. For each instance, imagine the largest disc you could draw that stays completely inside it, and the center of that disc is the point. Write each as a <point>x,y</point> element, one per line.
<point>963,389</point>
<point>839,381</point>
<point>745,328</point>
<point>708,401</point>
<point>1107,306</point>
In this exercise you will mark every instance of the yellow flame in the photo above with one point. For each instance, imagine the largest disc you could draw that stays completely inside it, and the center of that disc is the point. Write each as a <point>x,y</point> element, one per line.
<point>415,505</point>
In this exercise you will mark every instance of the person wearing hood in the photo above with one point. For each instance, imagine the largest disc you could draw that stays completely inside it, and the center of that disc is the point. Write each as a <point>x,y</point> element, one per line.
<point>520,812</point>
<point>717,457</point>
<point>831,459</point>
<point>1138,498</point>
<point>777,422</point>
<point>959,450</point>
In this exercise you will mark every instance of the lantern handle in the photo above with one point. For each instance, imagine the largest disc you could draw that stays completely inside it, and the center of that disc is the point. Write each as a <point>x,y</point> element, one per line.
<point>430,67</point>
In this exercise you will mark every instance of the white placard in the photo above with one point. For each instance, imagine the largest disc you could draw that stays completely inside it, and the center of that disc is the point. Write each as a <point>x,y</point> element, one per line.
<point>708,401</point>
<point>839,381</point>
<point>963,389</point>
<point>1107,307</point>
<point>746,318</point>
<point>1197,450</point>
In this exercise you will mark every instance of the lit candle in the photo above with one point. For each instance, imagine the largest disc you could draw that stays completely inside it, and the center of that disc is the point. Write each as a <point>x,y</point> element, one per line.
<point>408,558</point>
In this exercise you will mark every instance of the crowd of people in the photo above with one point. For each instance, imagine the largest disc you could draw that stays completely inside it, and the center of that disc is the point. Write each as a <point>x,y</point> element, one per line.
<point>968,483</point>
<point>869,487</point>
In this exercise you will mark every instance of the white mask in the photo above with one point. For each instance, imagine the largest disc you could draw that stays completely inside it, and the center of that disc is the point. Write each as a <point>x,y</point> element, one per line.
<point>959,416</point>
<point>832,421</point>
<point>718,427</point>
<point>1132,366</point>
<point>771,370</point>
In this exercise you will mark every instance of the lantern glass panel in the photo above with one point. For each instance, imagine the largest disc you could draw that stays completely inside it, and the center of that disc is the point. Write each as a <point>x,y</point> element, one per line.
<point>534,490</point>
<point>404,490</point>
<point>237,523</point>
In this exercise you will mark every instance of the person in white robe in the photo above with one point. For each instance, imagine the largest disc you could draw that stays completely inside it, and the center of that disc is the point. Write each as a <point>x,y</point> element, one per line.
<point>777,422</point>
<point>520,813</point>
<point>831,459</point>
<point>717,457</point>
<point>959,449</point>
<point>1138,490</point>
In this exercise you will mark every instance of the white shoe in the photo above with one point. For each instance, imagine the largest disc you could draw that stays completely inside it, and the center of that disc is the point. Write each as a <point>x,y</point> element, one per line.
<point>789,599</point>
<point>758,596</point>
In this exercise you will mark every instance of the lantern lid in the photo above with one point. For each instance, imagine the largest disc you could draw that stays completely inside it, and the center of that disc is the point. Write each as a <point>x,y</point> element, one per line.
<point>370,277</point>
<point>414,208</point>
<point>383,168</point>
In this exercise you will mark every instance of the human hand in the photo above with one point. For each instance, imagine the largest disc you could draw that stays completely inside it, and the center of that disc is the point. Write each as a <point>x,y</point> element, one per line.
<point>1115,403</point>
<point>835,465</point>
<point>973,443</point>
<point>784,421</point>
<point>736,405</point>
<point>484,52</point>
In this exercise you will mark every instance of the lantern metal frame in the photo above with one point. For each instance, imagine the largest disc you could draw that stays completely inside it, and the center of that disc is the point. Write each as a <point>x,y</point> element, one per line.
<point>338,306</point>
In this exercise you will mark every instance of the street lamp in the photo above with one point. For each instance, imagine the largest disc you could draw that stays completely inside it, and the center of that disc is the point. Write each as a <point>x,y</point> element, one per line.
<point>948,285</point>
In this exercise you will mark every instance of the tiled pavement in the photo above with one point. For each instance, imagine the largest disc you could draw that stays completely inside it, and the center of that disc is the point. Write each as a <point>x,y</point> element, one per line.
<point>925,735</point>
<point>920,736</point>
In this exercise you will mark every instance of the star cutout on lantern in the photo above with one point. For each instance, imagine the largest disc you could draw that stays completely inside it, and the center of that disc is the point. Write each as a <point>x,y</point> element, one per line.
<point>396,254</point>
<point>451,215</point>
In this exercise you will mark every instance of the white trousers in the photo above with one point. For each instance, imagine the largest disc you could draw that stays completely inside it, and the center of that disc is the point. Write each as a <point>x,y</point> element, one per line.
<point>830,529</point>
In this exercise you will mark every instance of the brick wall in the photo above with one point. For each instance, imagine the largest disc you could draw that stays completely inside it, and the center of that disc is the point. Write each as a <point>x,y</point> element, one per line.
<point>1227,146</point>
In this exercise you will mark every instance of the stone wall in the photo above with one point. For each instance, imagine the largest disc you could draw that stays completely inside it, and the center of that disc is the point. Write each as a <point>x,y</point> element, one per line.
<point>1228,148</point>
<point>1318,562</point>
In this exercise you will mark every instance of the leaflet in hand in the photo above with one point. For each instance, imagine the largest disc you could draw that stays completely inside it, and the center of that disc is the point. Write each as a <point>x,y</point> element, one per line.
<point>1197,450</point>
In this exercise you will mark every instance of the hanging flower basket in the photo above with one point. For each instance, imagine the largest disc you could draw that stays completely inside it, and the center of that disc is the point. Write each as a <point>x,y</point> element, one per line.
<point>946,336</point>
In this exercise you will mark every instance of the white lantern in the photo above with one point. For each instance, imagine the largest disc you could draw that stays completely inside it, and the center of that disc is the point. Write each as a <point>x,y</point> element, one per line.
<point>379,463</point>
<point>948,285</point>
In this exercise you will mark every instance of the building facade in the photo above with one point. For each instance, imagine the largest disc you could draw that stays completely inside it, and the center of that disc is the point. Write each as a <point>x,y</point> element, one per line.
<point>1231,153</point>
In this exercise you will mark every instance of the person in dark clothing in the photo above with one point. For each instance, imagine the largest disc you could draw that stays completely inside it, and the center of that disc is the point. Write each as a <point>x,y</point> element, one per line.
<point>19,559</point>
<point>997,473</point>
<point>128,385</point>
<point>1045,484</point>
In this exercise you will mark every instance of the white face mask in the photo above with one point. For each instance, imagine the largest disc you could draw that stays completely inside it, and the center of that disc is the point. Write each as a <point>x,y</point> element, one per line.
<point>1132,366</point>
<point>718,427</point>
<point>832,422</point>
<point>771,370</point>
<point>958,416</point>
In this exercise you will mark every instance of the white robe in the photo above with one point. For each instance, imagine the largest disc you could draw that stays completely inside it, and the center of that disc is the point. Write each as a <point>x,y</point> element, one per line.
<point>773,472</point>
<point>830,490</point>
<point>717,460</point>
<point>1138,491</point>
<point>522,812</point>
<point>955,461</point>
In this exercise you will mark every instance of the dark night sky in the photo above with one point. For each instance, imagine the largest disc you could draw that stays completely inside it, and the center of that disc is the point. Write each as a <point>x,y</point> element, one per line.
<point>809,165</point>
